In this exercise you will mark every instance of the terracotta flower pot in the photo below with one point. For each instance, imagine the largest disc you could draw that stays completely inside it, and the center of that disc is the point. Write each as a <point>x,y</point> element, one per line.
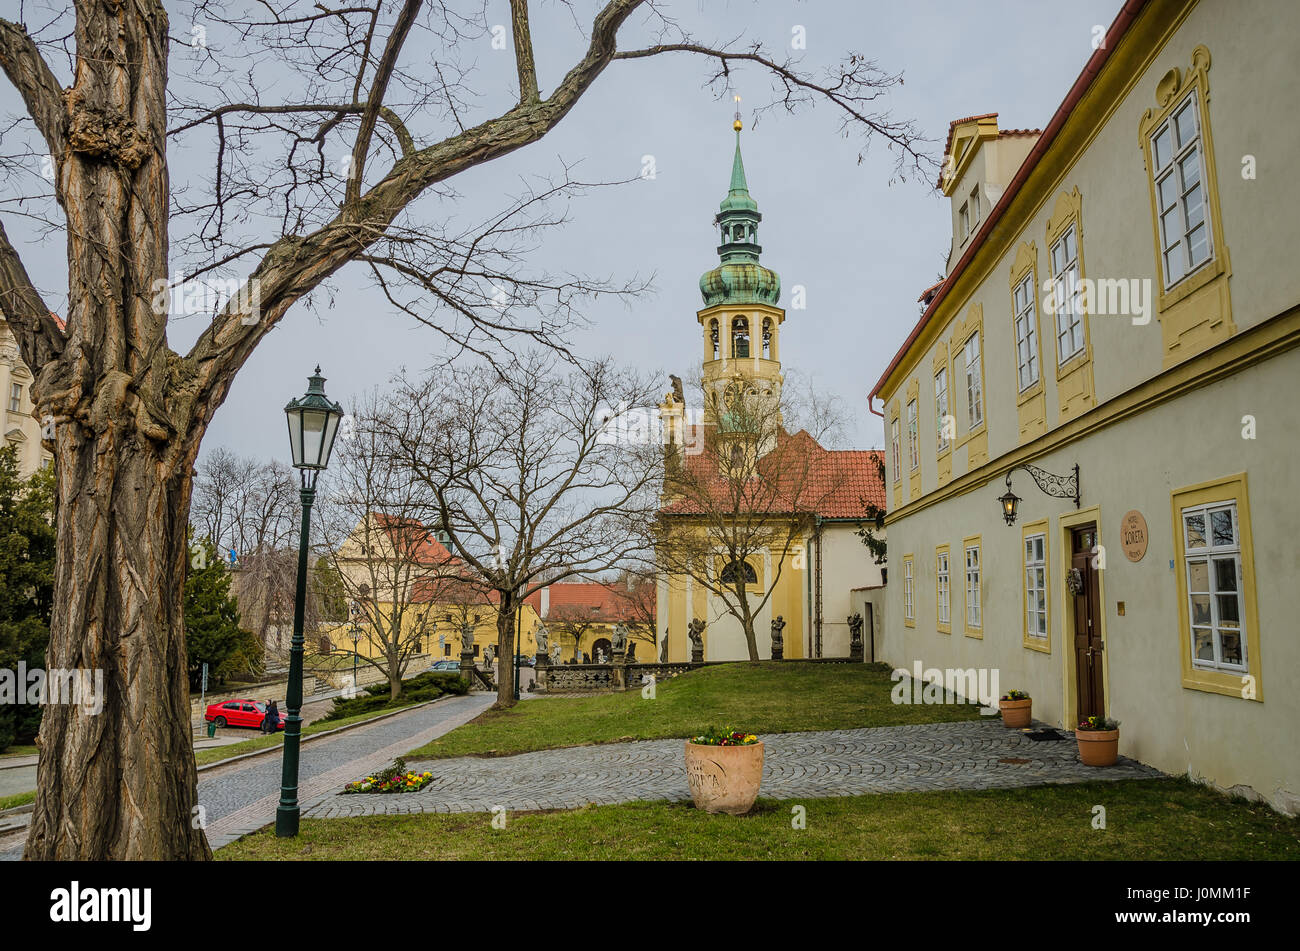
<point>1098,747</point>
<point>724,778</point>
<point>1017,714</point>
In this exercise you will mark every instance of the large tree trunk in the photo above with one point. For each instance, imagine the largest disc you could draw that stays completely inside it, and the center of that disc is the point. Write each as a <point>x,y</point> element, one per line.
<point>505,652</point>
<point>119,783</point>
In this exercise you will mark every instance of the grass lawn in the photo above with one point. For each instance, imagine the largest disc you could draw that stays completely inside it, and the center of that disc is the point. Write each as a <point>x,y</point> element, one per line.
<point>1153,819</point>
<point>20,799</point>
<point>762,698</point>
<point>19,751</point>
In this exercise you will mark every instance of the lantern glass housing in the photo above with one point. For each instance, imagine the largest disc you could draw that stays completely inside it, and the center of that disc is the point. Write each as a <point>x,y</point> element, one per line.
<point>1009,502</point>
<point>313,424</point>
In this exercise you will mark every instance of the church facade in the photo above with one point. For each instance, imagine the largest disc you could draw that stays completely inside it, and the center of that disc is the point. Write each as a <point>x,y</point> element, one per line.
<point>758,525</point>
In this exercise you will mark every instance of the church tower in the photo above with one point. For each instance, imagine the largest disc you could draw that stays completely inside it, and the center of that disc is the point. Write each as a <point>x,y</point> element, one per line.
<point>740,321</point>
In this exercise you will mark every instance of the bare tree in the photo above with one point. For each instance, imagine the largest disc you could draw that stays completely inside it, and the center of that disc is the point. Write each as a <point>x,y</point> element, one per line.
<point>634,593</point>
<point>370,111</point>
<point>749,495</point>
<point>248,508</point>
<point>575,622</point>
<point>391,567</point>
<point>528,481</point>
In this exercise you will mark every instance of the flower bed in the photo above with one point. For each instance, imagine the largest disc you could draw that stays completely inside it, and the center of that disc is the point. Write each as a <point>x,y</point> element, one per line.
<point>395,779</point>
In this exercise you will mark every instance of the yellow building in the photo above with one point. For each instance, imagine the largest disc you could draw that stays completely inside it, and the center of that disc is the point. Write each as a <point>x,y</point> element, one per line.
<point>1092,428</point>
<point>22,429</point>
<point>747,504</point>
<point>397,572</point>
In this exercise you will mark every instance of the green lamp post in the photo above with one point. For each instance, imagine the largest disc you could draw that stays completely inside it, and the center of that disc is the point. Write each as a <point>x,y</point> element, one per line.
<point>313,424</point>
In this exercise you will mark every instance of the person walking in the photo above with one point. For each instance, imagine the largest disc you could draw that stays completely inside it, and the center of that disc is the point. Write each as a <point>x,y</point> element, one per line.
<point>271,722</point>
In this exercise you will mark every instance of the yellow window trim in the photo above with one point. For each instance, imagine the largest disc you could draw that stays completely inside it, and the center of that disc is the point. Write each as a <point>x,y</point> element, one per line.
<point>1075,393</point>
<point>909,562</point>
<point>1230,488</point>
<point>940,625</point>
<point>972,541</point>
<point>1033,643</point>
<point>1195,313</point>
<point>1026,262</point>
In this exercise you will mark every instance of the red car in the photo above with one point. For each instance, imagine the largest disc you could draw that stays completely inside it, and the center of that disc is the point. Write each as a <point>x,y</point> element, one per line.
<point>249,713</point>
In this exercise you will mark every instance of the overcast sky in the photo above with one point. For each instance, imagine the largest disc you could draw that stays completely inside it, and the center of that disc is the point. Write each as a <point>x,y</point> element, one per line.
<point>863,249</point>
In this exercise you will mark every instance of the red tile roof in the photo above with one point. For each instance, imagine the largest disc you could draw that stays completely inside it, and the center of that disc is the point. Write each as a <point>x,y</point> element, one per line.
<point>604,601</point>
<point>412,533</point>
<point>834,483</point>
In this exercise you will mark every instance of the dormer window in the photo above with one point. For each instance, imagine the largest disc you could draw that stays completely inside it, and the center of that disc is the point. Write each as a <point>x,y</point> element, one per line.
<point>963,219</point>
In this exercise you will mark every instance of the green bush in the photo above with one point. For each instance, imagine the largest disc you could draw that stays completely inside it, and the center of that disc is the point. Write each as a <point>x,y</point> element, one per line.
<point>427,686</point>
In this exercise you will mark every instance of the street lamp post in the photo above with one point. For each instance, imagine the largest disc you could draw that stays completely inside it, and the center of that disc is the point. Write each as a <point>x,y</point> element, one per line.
<point>313,423</point>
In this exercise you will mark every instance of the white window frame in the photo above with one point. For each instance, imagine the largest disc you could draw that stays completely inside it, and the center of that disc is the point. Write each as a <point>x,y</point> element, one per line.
<point>1025,321</point>
<point>898,452</point>
<point>974,382</point>
<point>1180,150</point>
<point>909,591</point>
<point>963,217</point>
<point>943,588</point>
<point>975,208</point>
<point>913,436</point>
<point>1208,553</point>
<point>941,406</point>
<point>974,609</point>
<point>1035,553</point>
<point>15,397</point>
<point>1066,295</point>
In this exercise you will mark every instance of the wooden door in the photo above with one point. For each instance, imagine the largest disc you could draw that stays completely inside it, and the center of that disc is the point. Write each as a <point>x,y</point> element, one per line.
<point>1088,645</point>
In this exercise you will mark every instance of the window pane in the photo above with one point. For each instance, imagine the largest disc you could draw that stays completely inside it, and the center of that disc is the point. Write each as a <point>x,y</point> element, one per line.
<point>1221,526</point>
<point>1168,191</point>
<point>1186,123</point>
<point>1171,225</point>
<point>1162,148</point>
<point>1199,241</point>
<point>1174,266</point>
<point>1195,525</point>
<point>1203,644</point>
<point>1230,642</point>
<point>1225,574</point>
<point>1195,207</point>
<point>1190,169</point>
<point>1198,576</point>
<point>1229,611</point>
<point>1200,609</point>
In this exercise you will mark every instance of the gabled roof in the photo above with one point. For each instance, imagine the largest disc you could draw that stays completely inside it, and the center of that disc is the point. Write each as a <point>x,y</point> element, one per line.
<point>833,483</point>
<point>603,601</point>
<point>403,532</point>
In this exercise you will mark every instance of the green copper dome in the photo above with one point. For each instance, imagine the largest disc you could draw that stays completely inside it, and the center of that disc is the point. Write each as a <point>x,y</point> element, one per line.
<point>740,279</point>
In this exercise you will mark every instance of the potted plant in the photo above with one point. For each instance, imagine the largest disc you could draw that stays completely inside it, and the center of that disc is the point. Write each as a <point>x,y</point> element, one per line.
<point>1098,739</point>
<point>1017,709</point>
<point>724,769</point>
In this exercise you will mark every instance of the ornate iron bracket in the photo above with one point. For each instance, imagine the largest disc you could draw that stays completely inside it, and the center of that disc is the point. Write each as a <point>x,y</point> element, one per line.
<point>1058,487</point>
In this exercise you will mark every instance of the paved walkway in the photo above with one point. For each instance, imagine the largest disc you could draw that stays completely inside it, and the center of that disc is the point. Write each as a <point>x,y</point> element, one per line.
<point>242,796</point>
<point>968,755</point>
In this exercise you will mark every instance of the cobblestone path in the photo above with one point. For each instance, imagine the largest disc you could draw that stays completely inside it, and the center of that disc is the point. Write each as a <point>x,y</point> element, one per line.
<point>968,755</point>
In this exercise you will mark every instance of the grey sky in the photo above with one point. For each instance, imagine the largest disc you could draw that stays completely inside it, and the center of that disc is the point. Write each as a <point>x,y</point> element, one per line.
<point>862,248</point>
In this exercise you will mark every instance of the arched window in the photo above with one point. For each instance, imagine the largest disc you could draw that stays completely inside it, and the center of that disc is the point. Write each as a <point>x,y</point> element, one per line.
<point>738,232</point>
<point>740,337</point>
<point>729,572</point>
<point>767,338</point>
<point>713,336</point>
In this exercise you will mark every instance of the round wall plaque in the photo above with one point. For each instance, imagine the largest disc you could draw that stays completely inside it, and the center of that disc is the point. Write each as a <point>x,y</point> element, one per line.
<point>1133,535</point>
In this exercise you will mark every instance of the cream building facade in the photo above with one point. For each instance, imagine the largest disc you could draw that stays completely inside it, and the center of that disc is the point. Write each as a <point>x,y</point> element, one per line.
<point>22,429</point>
<point>1121,298</point>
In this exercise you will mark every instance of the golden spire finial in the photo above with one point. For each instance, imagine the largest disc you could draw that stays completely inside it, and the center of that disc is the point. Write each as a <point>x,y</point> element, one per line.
<point>737,125</point>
